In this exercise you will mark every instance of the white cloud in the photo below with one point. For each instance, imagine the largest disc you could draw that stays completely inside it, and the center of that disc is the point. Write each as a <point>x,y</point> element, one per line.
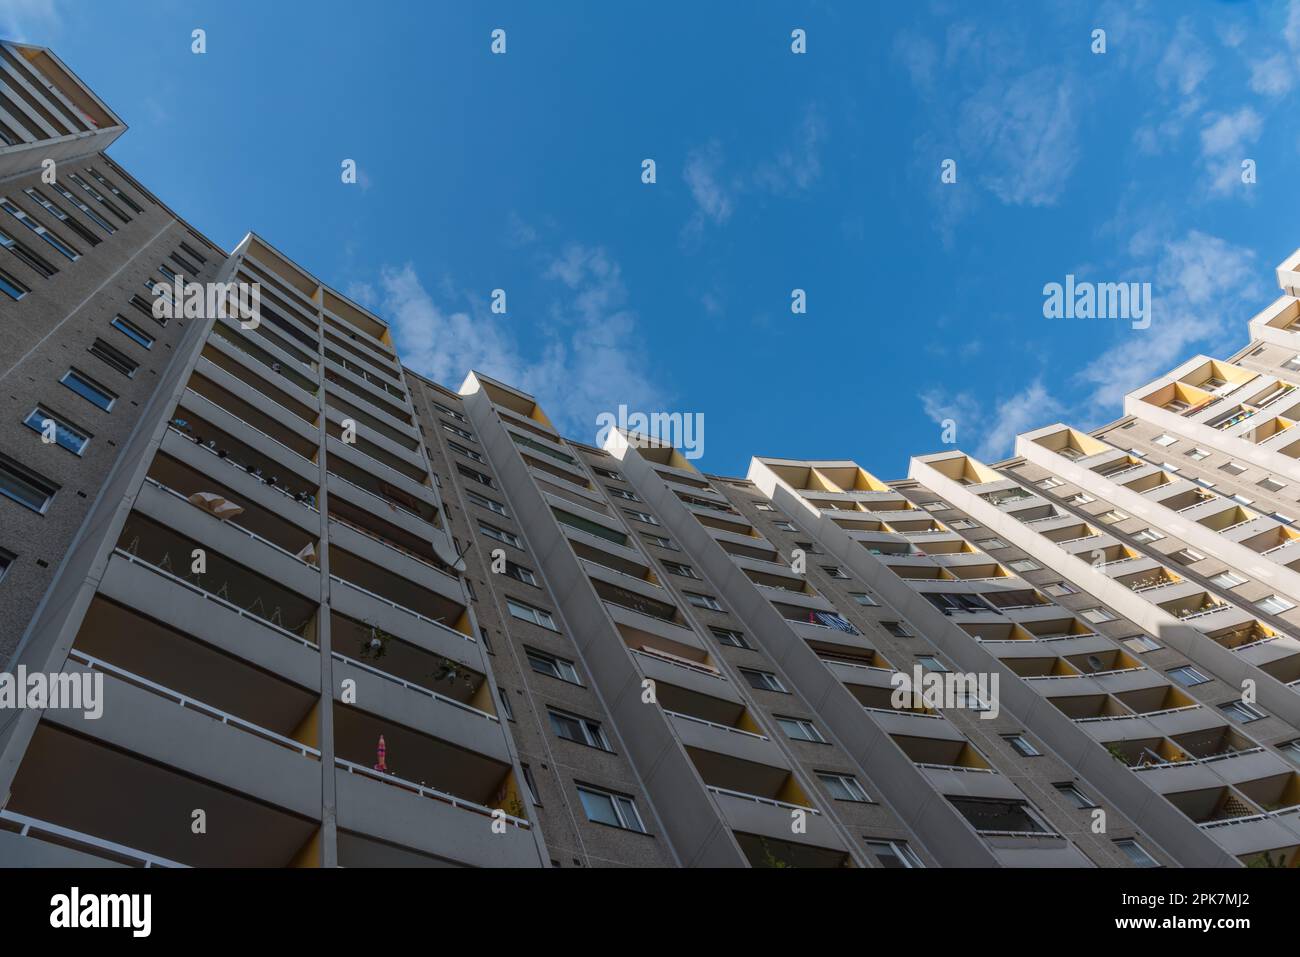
<point>1022,136</point>
<point>1199,283</point>
<point>590,358</point>
<point>995,425</point>
<point>28,21</point>
<point>799,163</point>
<point>712,200</point>
<point>1224,141</point>
<point>1272,76</point>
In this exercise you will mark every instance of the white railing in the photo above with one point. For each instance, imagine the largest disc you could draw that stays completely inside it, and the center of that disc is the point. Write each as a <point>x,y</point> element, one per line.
<point>236,465</point>
<point>681,663</point>
<point>914,714</point>
<point>1206,760</point>
<point>1247,818</point>
<point>714,724</point>
<point>1148,714</point>
<point>412,686</point>
<point>204,593</point>
<point>192,704</point>
<point>428,792</point>
<point>1156,587</point>
<point>402,608</point>
<point>762,800</point>
<point>168,490</point>
<point>954,767</point>
<point>1201,613</point>
<point>35,828</point>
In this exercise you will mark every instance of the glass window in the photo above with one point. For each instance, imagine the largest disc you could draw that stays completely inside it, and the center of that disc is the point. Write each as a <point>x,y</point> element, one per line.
<point>843,787</point>
<point>89,389</point>
<point>894,854</point>
<point>1136,855</point>
<point>70,437</point>
<point>500,535</point>
<point>1187,676</point>
<point>1022,745</point>
<point>528,613</point>
<point>545,664</point>
<point>800,729</point>
<point>728,636</point>
<point>25,486</point>
<point>1275,604</point>
<point>11,287</point>
<point>580,730</point>
<point>762,680</point>
<point>604,807</point>
<point>133,332</point>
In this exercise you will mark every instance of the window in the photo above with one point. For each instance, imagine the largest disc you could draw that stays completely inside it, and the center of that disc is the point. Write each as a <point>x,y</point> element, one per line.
<point>661,542</point>
<point>897,629</point>
<point>1080,498</point>
<point>1284,518</point>
<point>528,613</point>
<point>506,708</point>
<point>1165,440</point>
<point>38,263</point>
<point>764,507</point>
<point>462,450</point>
<point>703,601</point>
<point>68,436</point>
<point>1050,482</point>
<point>834,571</point>
<point>1233,468</point>
<point>590,527</point>
<point>728,636</point>
<point>1292,749</point>
<point>605,807</point>
<point>446,411</point>
<point>843,787</point>
<point>1227,579</point>
<point>935,506</point>
<point>552,666</point>
<point>118,361</point>
<point>1147,535</point>
<point>930,663</point>
<point>457,430</point>
<point>963,523</point>
<point>520,574</point>
<point>1293,364</point>
<point>1025,565</point>
<point>99,178</point>
<point>685,571</point>
<point>642,516</point>
<point>1097,615</point>
<point>579,730</point>
<point>1187,556</point>
<point>763,680</point>
<point>1187,676</point>
<point>1197,453</point>
<point>1000,814</point>
<point>1242,712</point>
<point>1242,499</point>
<point>1271,484</point>
<point>133,332</point>
<point>530,784</point>
<point>89,389</point>
<point>894,854</point>
<point>1111,517</point>
<point>57,211</point>
<point>90,213</point>
<point>800,729</point>
<point>991,544</point>
<point>189,251</point>
<point>11,287</point>
<point>1022,746</point>
<point>865,600</point>
<point>607,473</point>
<point>1275,604</point>
<point>1136,855</point>
<point>622,493</point>
<point>482,501</point>
<point>24,486</point>
<point>1140,643</point>
<point>1060,589</point>
<point>783,525</point>
<point>500,534</point>
<point>1072,793</point>
<point>474,476</point>
<point>809,548</point>
<point>63,248</point>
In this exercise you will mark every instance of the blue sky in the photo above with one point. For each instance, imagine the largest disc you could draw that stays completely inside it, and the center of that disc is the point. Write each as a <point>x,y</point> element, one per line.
<point>775,171</point>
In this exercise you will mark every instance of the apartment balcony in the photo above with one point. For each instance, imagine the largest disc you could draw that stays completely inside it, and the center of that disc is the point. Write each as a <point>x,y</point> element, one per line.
<point>262,346</point>
<point>860,676</point>
<point>213,426</point>
<point>1191,502</point>
<point>383,503</point>
<point>1119,725</point>
<point>396,807</point>
<point>434,598</point>
<point>716,746</point>
<point>1196,606</point>
<point>443,700</point>
<point>248,405</point>
<point>1242,764</point>
<point>899,722</point>
<point>1276,834</point>
<point>1148,481</point>
<point>1116,682</point>
<point>696,676</point>
<point>134,819</point>
<point>359,389</point>
<point>359,531</point>
<point>1278,656</point>
<point>941,754</point>
<point>986,783</point>
<point>375,420</point>
<point>1049,648</point>
<point>367,457</point>
<point>636,615</point>
<point>261,372</point>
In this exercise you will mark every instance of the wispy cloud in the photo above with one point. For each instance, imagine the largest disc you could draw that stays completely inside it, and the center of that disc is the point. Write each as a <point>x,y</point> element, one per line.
<point>29,21</point>
<point>994,425</point>
<point>590,358</point>
<point>1225,138</point>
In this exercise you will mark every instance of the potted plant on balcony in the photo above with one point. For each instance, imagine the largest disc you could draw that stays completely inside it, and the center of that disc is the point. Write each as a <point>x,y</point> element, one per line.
<point>454,672</point>
<point>374,643</point>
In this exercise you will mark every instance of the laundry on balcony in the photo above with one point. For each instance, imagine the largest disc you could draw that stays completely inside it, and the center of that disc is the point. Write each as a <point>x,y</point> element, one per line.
<point>217,505</point>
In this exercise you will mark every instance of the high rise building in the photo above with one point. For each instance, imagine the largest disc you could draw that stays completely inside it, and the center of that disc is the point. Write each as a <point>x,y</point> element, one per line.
<point>344,615</point>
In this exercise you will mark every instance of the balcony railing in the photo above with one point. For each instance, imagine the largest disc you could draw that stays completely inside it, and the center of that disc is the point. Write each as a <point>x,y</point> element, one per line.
<point>714,724</point>
<point>209,596</point>
<point>682,663</point>
<point>67,837</point>
<point>393,545</point>
<point>1145,714</point>
<point>247,471</point>
<point>192,704</point>
<point>773,802</point>
<point>402,608</point>
<point>428,792</point>
<point>1209,759</point>
<point>412,686</point>
<point>229,523</point>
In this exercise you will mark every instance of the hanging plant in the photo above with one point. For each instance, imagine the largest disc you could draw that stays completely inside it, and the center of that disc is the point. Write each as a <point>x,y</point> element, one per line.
<point>455,673</point>
<point>375,644</point>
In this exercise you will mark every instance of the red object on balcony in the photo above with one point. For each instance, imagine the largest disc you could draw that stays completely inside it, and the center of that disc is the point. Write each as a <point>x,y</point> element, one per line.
<point>380,752</point>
